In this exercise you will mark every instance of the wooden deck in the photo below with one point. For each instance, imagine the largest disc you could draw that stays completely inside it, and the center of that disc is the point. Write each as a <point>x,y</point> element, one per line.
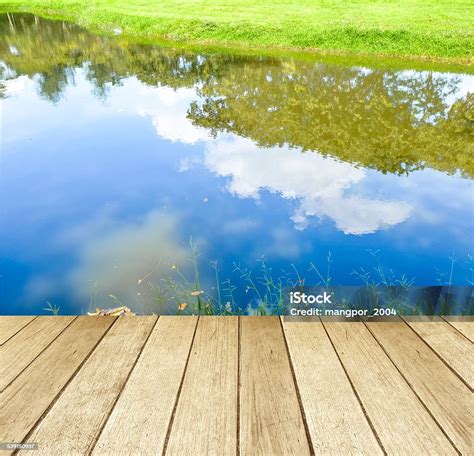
<point>236,385</point>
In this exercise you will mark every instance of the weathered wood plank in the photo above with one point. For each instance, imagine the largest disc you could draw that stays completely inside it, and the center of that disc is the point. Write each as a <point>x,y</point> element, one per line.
<point>401,421</point>
<point>26,345</point>
<point>451,346</point>
<point>82,409</point>
<point>9,326</point>
<point>149,400</point>
<point>271,421</point>
<point>443,393</point>
<point>205,420</point>
<point>335,418</point>
<point>25,400</point>
<point>465,325</point>
<point>139,421</point>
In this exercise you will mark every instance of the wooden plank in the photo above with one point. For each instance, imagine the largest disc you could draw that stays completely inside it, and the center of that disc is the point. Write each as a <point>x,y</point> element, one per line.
<point>401,421</point>
<point>82,409</point>
<point>465,325</point>
<point>451,346</point>
<point>335,419</point>
<point>443,393</point>
<point>139,421</point>
<point>9,326</point>
<point>25,346</point>
<point>271,421</point>
<point>25,400</point>
<point>205,421</point>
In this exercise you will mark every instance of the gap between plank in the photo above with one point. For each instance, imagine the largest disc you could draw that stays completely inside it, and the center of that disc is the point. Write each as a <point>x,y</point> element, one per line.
<point>298,395</point>
<point>178,394</point>
<point>438,355</point>
<point>50,406</point>
<point>41,352</point>
<point>355,391</point>
<point>411,387</point>
<point>91,448</point>
<point>21,329</point>
<point>456,329</point>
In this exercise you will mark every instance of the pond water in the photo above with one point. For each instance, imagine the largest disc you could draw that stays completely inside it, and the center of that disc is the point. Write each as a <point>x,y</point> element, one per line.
<point>119,159</point>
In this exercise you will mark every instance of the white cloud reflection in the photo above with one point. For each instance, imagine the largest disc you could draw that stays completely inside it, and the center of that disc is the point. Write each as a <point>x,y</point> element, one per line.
<point>116,259</point>
<point>321,185</point>
<point>167,108</point>
<point>17,85</point>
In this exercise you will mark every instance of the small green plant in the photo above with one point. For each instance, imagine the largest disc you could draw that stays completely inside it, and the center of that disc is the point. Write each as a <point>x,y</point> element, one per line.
<point>51,308</point>
<point>381,276</point>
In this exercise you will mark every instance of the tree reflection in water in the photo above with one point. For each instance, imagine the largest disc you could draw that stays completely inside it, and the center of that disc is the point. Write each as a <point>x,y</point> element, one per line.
<point>392,121</point>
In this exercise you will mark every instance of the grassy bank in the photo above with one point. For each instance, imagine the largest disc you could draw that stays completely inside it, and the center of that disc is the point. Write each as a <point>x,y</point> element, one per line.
<point>438,29</point>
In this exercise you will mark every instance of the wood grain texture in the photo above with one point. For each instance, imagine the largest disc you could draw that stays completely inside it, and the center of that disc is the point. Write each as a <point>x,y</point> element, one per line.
<point>451,346</point>
<point>443,393</point>
<point>335,418</point>
<point>140,419</point>
<point>401,421</point>
<point>83,407</point>
<point>9,326</point>
<point>102,386</point>
<point>465,325</point>
<point>205,420</point>
<point>271,420</point>
<point>29,396</point>
<point>26,345</point>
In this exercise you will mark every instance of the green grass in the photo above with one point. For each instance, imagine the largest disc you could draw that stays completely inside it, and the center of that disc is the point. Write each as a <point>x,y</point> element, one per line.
<point>437,29</point>
<point>265,290</point>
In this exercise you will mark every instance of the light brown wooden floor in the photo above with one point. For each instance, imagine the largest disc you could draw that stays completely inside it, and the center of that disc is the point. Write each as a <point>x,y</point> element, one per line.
<point>236,385</point>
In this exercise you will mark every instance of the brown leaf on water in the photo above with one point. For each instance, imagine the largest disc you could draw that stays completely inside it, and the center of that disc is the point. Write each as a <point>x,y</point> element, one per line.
<point>182,306</point>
